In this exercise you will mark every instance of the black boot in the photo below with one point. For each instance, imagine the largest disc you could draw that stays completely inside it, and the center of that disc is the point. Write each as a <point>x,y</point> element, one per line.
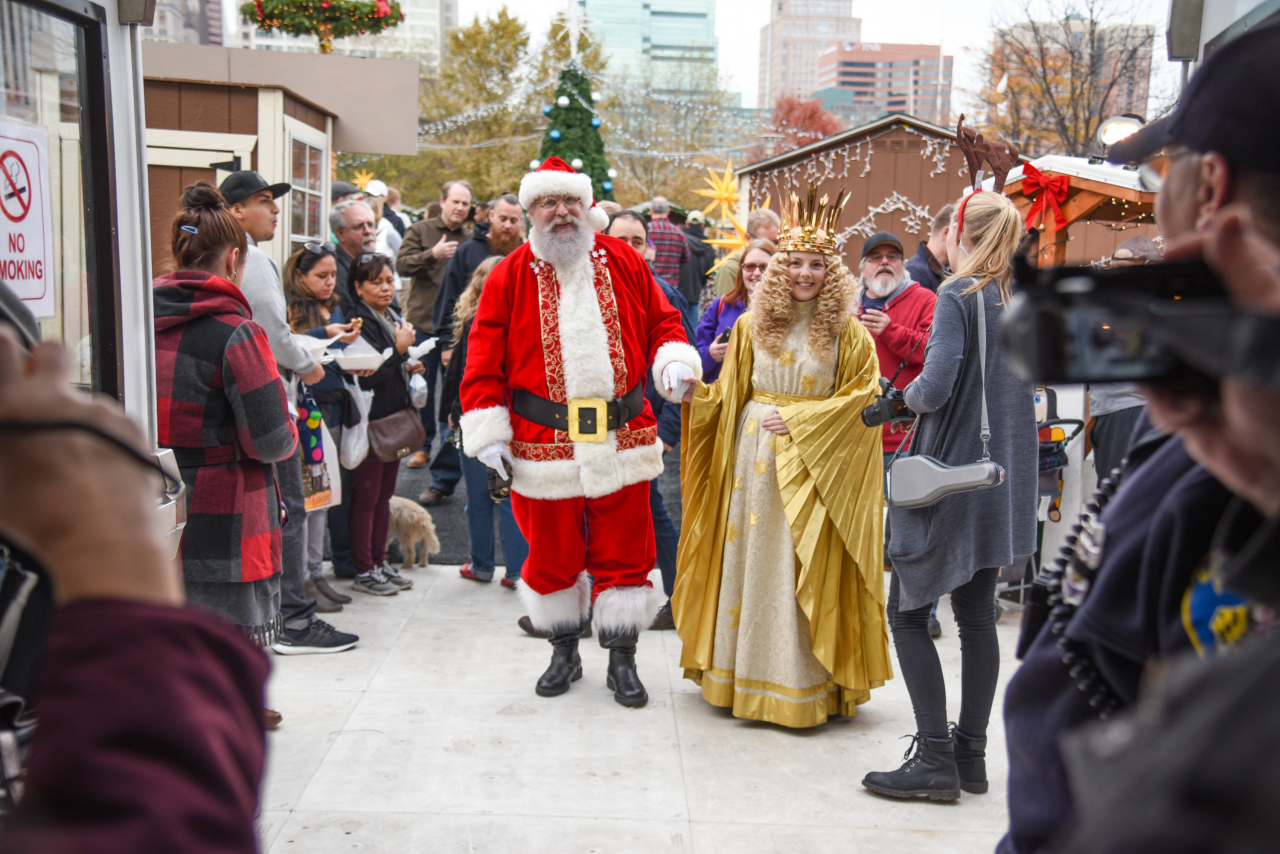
<point>971,762</point>
<point>929,773</point>
<point>623,680</point>
<point>566,664</point>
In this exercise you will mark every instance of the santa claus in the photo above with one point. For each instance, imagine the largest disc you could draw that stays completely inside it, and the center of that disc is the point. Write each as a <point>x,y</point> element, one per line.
<point>566,329</point>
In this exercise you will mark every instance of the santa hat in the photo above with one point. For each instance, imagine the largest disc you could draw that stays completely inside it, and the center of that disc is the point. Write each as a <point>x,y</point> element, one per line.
<point>554,177</point>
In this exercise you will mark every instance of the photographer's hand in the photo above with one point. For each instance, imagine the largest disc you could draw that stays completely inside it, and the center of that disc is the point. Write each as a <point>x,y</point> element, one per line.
<point>774,424</point>
<point>1236,436</point>
<point>78,504</point>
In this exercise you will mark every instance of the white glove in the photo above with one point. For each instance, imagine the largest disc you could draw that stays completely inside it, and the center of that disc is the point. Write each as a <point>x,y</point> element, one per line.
<point>494,456</point>
<point>676,377</point>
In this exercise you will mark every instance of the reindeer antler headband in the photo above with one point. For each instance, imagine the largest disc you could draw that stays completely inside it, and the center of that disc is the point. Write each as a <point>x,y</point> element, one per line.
<point>1000,157</point>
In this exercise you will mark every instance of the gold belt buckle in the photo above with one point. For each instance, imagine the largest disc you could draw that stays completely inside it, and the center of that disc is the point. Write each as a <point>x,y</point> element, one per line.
<point>601,409</point>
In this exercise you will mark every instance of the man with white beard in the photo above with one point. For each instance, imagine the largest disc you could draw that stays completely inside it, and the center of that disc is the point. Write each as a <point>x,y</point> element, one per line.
<point>566,328</point>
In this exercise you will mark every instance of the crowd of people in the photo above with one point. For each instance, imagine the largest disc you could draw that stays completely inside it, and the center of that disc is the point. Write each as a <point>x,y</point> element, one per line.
<point>570,364</point>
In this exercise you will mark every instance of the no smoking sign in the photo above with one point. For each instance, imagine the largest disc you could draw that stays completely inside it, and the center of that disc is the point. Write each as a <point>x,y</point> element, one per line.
<point>26,220</point>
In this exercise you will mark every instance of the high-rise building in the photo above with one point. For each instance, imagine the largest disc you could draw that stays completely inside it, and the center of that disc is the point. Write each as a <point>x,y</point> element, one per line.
<point>419,36</point>
<point>863,81</point>
<point>645,39</point>
<point>177,22</point>
<point>1117,46</point>
<point>793,40</point>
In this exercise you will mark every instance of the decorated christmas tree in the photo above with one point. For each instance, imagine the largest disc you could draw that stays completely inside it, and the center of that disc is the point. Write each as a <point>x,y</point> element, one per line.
<point>573,131</point>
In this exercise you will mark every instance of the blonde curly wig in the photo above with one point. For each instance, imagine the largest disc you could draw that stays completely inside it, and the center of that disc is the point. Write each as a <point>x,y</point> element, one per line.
<point>773,307</point>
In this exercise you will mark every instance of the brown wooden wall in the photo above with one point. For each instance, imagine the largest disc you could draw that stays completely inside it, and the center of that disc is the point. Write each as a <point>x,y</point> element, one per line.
<point>165,186</point>
<point>300,111</point>
<point>901,162</point>
<point>204,107</point>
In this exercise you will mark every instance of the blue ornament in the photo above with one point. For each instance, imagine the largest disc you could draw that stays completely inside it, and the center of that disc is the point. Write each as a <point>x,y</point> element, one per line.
<point>555,135</point>
<point>546,111</point>
<point>595,123</point>
<point>607,186</point>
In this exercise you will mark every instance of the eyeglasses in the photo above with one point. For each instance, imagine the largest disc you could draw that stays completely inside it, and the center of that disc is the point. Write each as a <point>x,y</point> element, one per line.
<point>364,226</point>
<point>319,248</point>
<point>882,257</point>
<point>754,268</point>
<point>369,256</point>
<point>1153,170</point>
<point>550,203</point>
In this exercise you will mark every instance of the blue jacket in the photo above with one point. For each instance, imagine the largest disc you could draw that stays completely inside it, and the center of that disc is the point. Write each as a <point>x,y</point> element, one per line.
<point>333,375</point>
<point>716,319</point>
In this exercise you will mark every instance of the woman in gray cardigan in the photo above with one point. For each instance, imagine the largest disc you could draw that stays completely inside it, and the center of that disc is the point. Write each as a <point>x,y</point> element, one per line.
<point>958,545</point>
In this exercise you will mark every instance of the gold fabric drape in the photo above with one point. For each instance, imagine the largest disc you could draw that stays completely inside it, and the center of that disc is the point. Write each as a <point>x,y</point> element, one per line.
<point>830,476</point>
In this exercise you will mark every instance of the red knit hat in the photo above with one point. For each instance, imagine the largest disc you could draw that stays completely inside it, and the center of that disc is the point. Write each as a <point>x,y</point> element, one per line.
<point>554,177</point>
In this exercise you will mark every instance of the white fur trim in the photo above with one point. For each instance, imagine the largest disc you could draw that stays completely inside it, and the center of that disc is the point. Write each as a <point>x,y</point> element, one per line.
<point>621,609</point>
<point>597,219</point>
<point>535,185</point>
<point>597,472</point>
<point>561,609</point>
<point>674,351</point>
<point>584,343</point>
<point>481,427</point>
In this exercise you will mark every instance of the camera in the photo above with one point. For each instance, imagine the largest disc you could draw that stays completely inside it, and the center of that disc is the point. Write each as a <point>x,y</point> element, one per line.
<point>1152,323</point>
<point>889,408</point>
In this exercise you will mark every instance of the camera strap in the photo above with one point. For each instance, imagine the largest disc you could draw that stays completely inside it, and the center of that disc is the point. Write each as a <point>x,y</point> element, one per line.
<point>985,432</point>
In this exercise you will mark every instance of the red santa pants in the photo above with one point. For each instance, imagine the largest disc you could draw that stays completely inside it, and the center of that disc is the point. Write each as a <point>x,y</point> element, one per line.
<point>610,537</point>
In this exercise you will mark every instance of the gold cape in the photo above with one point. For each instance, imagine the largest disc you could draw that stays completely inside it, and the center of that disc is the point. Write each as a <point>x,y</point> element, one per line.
<point>830,473</point>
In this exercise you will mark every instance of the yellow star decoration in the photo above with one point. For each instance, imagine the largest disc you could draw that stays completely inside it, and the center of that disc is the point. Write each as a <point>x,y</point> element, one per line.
<point>786,358</point>
<point>755,518</point>
<point>361,179</point>
<point>807,383</point>
<point>736,613</point>
<point>729,244</point>
<point>733,533</point>
<point>737,481</point>
<point>723,192</point>
<point>762,466</point>
<point>751,427</point>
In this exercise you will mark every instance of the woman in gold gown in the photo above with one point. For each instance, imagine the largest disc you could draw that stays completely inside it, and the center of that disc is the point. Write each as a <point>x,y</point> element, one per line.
<point>779,598</point>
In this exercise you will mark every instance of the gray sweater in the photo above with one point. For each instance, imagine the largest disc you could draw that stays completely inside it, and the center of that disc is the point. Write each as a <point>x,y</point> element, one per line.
<point>264,289</point>
<point>938,548</point>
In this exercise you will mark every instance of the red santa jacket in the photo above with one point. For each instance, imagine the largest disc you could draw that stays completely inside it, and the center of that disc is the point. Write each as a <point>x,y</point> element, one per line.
<point>910,316</point>
<point>589,330</point>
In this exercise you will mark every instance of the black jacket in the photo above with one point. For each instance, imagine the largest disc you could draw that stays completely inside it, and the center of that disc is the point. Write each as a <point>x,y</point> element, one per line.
<point>390,390</point>
<point>345,299</point>
<point>922,271</point>
<point>693,276</point>
<point>397,221</point>
<point>450,390</point>
<point>456,278</point>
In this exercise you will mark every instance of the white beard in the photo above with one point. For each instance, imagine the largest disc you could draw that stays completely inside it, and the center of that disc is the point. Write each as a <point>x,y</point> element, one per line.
<point>881,287</point>
<point>562,250</point>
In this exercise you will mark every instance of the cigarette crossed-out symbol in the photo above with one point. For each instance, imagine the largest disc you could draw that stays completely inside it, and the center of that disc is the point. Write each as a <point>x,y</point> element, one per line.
<point>15,192</point>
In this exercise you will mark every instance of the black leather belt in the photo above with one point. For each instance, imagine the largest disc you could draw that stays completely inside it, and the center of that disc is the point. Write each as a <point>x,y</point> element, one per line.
<point>582,416</point>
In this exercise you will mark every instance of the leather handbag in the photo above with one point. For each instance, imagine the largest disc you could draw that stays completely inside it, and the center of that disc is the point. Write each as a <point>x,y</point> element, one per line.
<point>396,435</point>
<point>919,480</point>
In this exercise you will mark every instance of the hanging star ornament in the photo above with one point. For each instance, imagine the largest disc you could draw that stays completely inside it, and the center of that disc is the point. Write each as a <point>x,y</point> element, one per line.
<point>729,244</point>
<point>724,191</point>
<point>362,178</point>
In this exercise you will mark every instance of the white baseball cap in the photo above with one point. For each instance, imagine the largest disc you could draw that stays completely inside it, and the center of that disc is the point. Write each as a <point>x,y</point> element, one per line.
<point>375,188</point>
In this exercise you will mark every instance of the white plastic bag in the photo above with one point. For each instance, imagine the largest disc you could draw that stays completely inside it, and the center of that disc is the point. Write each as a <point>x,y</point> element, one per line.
<point>355,440</point>
<point>418,390</point>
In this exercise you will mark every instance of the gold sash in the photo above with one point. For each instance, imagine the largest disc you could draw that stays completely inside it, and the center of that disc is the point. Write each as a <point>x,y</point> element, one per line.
<point>771,399</point>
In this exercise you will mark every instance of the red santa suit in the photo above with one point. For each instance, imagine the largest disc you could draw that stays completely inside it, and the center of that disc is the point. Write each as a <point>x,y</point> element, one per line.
<point>590,329</point>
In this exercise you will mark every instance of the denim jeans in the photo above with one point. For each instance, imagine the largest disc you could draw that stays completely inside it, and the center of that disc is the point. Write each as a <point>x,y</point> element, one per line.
<point>666,537</point>
<point>315,526</point>
<point>480,510</point>
<point>296,607</point>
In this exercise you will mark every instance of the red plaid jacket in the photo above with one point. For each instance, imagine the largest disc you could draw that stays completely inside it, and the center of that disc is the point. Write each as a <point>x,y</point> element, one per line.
<point>670,251</point>
<point>221,406</point>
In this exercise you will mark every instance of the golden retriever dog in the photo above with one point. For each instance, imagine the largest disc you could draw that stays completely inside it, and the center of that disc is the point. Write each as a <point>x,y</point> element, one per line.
<point>411,524</point>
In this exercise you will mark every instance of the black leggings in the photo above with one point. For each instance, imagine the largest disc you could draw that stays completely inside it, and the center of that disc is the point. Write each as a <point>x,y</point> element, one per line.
<point>974,607</point>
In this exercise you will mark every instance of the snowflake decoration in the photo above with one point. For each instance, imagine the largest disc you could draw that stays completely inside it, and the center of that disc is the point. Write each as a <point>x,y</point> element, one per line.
<point>915,219</point>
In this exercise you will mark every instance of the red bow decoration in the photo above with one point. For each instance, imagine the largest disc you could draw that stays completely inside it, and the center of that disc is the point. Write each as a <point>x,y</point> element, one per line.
<point>1052,193</point>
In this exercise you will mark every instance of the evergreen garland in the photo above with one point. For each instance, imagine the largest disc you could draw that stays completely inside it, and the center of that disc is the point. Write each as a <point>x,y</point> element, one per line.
<point>325,19</point>
<point>577,137</point>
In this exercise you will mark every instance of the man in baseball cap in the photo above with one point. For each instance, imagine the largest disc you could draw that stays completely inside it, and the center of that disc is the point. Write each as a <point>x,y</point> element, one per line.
<point>879,239</point>
<point>241,185</point>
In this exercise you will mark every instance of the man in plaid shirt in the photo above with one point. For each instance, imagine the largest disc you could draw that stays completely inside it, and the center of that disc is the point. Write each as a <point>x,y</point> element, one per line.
<point>670,248</point>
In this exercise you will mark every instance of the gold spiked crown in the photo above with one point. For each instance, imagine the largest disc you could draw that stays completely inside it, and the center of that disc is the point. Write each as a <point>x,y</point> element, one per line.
<point>809,224</point>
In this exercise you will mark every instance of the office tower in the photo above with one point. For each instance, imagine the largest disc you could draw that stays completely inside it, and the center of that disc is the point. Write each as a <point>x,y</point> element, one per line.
<point>647,40</point>
<point>862,81</point>
<point>793,40</point>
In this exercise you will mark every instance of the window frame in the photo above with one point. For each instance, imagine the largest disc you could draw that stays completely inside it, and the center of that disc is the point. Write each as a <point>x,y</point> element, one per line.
<point>318,139</point>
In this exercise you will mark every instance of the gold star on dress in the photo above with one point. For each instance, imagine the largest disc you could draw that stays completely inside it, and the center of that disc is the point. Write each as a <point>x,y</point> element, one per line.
<point>736,613</point>
<point>786,358</point>
<point>733,533</point>
<point>762,466</point>
<point>737,481</point>
<point>751,427</point>
<point>808,382</point>
<point>755,518</point>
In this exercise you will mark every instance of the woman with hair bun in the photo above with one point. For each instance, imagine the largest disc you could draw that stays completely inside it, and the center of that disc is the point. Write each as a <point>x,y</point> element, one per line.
<point>780,591</point>
<point>959,544</point>
<point>222,409</point>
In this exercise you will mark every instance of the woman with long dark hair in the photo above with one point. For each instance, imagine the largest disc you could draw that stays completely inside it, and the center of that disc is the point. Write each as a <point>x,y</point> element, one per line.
<point>373,482</point>
<point>724,311</point>
<point>959,544</point>
<point>222,410</point>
